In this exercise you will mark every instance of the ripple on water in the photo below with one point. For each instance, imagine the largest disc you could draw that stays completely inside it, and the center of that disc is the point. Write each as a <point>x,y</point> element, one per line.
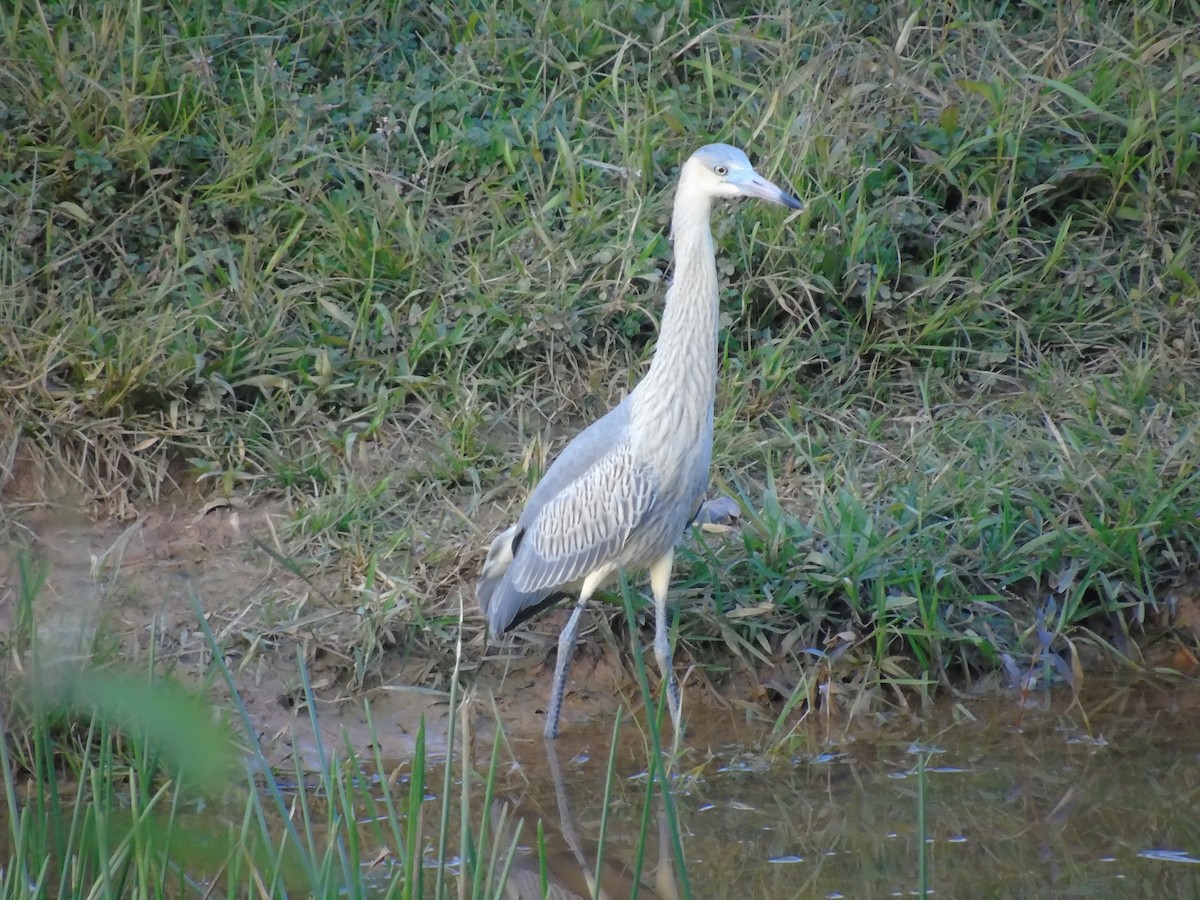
<point>1091,797</point>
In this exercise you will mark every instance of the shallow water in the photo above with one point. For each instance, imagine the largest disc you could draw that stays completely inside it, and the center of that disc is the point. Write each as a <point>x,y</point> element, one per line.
<point>1095,798</point>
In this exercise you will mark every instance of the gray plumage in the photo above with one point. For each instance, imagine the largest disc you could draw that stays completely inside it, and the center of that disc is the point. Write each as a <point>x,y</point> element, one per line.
<point>621,493</point>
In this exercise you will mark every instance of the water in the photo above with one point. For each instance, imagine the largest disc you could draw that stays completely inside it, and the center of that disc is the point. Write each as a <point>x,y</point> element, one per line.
<point>1095,798</point>
<point>1057,797</point>
<point>1092,797</point>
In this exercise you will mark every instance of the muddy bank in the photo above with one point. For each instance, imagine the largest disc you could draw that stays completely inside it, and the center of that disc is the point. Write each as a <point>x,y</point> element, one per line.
<point>124,592</point>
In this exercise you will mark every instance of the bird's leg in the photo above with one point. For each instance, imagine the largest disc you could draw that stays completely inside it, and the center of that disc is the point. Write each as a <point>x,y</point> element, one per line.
<point>566,646</point>
<point>660,581</point>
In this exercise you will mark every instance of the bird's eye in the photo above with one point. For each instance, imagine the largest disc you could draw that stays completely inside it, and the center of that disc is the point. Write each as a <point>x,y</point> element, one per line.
<point>722,171</point>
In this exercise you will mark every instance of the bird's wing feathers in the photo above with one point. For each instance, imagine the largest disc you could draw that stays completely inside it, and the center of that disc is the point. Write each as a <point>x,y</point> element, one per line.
<point>585,524</point>
<point>578,518</point>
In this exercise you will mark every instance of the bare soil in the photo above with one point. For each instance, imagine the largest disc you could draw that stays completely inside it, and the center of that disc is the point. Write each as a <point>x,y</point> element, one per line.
<point>126,592</point>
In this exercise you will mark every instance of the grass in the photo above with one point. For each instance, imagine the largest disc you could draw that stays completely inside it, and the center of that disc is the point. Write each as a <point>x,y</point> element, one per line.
<point>379,264</point>
<point>121,785</point>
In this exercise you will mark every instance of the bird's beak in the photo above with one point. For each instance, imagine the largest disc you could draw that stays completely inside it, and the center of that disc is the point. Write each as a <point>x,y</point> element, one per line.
<point>758,187</point>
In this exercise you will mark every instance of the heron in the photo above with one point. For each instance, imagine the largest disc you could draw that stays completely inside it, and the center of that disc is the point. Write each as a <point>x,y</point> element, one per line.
<point>621,493</point>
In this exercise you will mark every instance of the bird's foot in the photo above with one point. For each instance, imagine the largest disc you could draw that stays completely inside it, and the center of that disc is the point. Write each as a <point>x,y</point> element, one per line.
<point>718,514</point>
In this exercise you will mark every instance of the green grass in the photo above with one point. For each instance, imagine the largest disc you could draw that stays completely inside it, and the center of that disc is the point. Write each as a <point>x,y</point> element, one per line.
<point>380,263</point>
<point>123,784</point>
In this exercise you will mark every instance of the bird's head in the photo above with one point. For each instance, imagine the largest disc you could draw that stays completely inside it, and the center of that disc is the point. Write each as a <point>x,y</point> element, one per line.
<point>719,170</point>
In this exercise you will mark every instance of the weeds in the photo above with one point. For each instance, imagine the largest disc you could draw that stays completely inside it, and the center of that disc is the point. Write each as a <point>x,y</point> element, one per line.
<point>380,264</point>
<point>117,786</point>
<point>123,785</point>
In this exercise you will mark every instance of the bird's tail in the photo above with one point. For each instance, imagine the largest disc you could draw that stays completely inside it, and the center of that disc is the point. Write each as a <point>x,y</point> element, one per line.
<point>499,558</point>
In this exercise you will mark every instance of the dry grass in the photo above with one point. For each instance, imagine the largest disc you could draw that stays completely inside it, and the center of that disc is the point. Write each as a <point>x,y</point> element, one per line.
<point>383,263</point>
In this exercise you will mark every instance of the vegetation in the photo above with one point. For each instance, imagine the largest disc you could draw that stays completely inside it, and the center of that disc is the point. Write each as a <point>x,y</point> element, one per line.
<point>375,263</point>
<point>379,262</point>
<point>119,806</point>
<point>119,786</point>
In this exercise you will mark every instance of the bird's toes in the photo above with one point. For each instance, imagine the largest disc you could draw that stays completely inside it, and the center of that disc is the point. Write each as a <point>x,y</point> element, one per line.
<point>719,514</point>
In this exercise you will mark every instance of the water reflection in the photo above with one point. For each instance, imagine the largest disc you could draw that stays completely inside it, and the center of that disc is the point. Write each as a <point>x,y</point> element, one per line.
<point>1092,798</point>
<point>571,860</point>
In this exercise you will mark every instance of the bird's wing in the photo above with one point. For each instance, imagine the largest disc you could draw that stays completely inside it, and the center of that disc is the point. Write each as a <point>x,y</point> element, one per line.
<point>578,517</point>
<point>495,566</point>
<point>585,524</point>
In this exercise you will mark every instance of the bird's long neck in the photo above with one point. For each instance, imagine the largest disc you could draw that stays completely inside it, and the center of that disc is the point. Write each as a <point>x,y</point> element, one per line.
<point>675,399</point>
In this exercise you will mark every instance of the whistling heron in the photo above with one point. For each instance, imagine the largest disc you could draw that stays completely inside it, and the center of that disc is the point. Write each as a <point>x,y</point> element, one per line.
<point>621,493</point>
